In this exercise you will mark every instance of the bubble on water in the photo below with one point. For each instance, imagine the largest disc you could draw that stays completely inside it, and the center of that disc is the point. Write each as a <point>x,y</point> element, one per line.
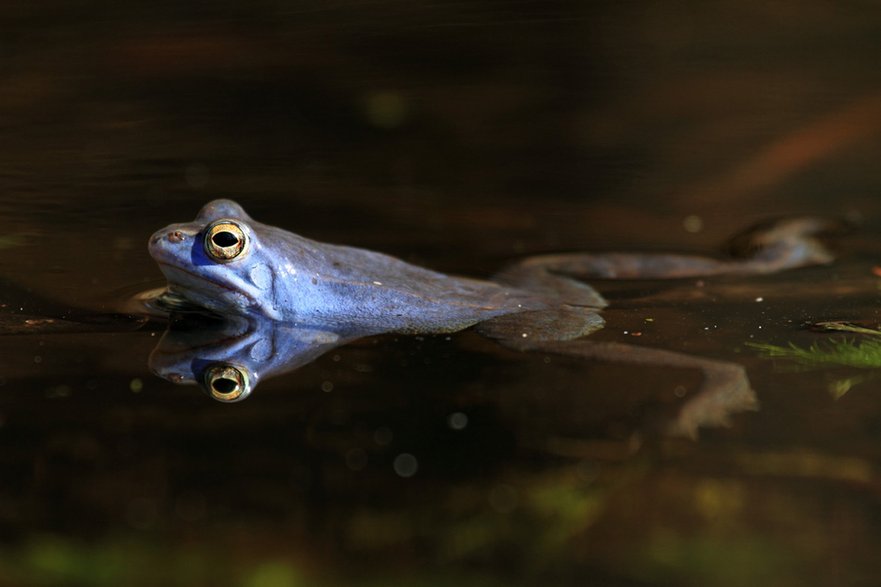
<point>406,465</point>
<point>457,420</point>
<point>693,223</point>
<point>327,386</point>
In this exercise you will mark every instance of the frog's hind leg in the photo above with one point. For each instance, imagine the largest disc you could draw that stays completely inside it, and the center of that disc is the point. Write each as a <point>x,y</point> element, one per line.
<point>774,246</point>
<point>724,391</point>
<point>524,329</point>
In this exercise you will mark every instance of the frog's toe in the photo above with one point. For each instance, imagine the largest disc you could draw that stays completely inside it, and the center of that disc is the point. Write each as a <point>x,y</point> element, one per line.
<point>793,229</point>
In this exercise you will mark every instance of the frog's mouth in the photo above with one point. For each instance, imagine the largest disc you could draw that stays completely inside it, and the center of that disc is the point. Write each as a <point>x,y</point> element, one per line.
<point>182,281</point>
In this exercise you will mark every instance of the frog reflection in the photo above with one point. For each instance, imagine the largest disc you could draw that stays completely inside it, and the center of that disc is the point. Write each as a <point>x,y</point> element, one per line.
<point>229,357</point>
<point>229,263</point>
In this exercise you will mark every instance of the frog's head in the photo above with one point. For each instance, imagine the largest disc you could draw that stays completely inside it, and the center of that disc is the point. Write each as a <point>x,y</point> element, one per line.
<point>217,261</point>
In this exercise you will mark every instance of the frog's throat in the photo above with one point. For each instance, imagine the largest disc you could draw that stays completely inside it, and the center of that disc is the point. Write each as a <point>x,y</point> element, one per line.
<point>252,302</point>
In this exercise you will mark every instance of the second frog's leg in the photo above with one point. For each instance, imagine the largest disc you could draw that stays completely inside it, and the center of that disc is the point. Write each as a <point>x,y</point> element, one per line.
<point>776,246</point>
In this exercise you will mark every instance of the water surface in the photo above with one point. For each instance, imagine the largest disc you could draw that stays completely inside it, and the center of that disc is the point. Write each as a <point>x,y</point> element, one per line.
<point>458,136</point>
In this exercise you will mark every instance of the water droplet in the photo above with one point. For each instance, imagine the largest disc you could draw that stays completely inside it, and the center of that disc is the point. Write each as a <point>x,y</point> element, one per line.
<point>406,465</point>
<point>693,223</point>
<point>458,420</point>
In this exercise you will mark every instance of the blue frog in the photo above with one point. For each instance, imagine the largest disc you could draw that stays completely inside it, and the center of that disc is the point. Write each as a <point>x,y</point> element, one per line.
<point>276,281</point>
<point>227,262</point>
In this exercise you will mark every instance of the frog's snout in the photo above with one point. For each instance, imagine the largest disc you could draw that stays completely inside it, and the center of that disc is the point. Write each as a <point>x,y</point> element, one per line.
<point>169,240</point>
<point>172,236</point>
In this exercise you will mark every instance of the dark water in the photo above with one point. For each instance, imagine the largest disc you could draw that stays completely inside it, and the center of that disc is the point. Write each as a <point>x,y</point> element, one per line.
<point>459,135</point>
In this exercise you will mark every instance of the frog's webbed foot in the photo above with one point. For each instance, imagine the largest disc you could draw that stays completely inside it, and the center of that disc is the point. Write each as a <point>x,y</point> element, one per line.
<point>786,243</point>
<point>724,391</point>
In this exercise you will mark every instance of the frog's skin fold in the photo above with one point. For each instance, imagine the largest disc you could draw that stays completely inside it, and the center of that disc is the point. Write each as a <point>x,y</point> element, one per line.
<point>258,272</point>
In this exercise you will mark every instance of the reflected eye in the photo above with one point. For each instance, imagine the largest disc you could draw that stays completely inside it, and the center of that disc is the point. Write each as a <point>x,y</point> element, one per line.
<point>226,383</point>
<point>225,240</point>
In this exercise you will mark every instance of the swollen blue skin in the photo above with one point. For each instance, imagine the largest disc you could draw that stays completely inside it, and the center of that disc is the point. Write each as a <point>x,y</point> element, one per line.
<point>288,278</point>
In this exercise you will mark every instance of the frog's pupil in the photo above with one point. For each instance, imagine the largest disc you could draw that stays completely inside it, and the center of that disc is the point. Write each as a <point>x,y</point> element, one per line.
<point>224,385</point>
<point>225,239</point>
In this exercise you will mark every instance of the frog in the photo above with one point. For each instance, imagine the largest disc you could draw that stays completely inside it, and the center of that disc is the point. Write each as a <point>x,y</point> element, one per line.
<point>232,265</point>
<point>228,357</point>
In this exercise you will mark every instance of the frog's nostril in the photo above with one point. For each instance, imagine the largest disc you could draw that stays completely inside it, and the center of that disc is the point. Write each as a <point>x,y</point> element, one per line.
<point>175,236</point>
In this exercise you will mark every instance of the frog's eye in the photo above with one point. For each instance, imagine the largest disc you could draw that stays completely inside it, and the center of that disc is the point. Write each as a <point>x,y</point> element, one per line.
<point>226,383</point>
<point>225,240</point>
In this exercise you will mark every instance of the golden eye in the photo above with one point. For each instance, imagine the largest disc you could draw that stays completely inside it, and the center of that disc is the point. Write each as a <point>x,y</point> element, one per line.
<point>225,240</point>
<point>226,383</point>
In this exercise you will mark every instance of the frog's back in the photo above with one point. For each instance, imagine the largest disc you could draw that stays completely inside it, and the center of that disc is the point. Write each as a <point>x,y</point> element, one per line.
<point>333,284</point>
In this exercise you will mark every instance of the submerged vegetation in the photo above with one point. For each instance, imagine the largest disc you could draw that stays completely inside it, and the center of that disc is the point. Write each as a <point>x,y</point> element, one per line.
<point>845,352</point>
<point>862,353</point>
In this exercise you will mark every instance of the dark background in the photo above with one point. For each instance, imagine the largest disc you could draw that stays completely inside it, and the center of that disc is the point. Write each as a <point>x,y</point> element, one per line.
<point>458,135</point>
